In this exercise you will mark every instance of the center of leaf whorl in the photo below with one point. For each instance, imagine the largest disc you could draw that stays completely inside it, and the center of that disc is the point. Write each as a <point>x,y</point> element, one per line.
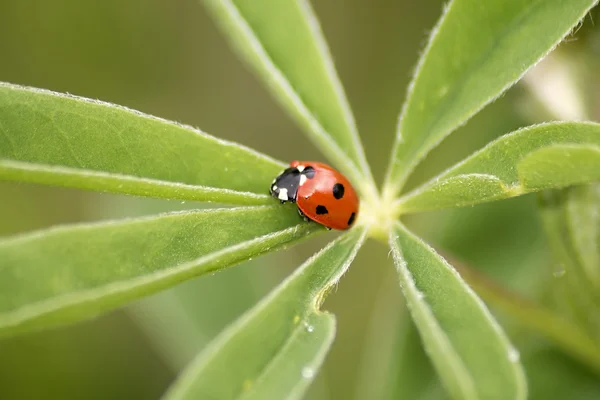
<point>378,216</point>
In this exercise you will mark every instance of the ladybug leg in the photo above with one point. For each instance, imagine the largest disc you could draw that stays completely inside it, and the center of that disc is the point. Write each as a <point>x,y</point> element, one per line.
<point>302,215</point>
<point>328,228</point>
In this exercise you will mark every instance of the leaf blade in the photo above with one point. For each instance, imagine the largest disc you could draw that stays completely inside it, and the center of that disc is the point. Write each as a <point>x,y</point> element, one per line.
<point>259,336</point>
<point>308,355</point>
<point>64,140</point>
<point>283,43</point>
<point>91,268</point>
<point>583,220</point>
<point>560,165</point>
<point>576,294</point>
<point>458,331</point>
<point>504,40</point>
<point>541,321</point>
<point>530,159</point>
<point>552,375</point>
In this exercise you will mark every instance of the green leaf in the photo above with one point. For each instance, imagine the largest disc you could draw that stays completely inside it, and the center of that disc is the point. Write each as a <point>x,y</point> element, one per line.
<point>476,52</point>
<point>275,349</point>
<point>411,373</point>
<point>551,375</point>
<point>70,273</point>
<point>583,220</point>
<point>577,293</point>
<point>180,321</point>
<point>284,44</point>
<point>560,166</point>
<point>543,156</point>
<point>469,350</point>
<point>57,139</point>
<point>394,364</point>
<point>554,327</point>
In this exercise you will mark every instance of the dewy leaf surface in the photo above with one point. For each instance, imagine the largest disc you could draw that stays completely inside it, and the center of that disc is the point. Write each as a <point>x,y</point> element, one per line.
<point>274,350</point>
<point>284,44</point>
<point>70,273</point>
<point>539,157</point>
<point>63,140</point>
<point>478,50</point>
<point>469,350</point>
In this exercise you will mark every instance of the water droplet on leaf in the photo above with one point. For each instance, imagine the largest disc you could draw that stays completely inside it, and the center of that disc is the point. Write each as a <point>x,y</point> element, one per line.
<point>513,355</point>
<point>560,272</point>
<point>308,372</point>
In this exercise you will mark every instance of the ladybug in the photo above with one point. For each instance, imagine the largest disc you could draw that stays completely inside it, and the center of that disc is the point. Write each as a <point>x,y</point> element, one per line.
<point>321,193</point>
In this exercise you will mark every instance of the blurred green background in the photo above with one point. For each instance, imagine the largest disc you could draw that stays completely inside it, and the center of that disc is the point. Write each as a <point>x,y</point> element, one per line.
<point>166,58</point>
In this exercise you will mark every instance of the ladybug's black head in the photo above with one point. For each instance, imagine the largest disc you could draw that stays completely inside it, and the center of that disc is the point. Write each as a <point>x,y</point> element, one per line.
<point>285,186</point>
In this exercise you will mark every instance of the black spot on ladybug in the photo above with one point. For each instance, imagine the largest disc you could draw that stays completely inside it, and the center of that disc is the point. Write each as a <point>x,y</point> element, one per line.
<point>338,191</point>
<point>351,219</point>
<point>321,210</point>
<point>309,172</point>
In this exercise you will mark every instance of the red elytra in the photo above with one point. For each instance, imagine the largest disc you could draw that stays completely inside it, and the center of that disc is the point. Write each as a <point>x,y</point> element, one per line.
<point>321,193</point>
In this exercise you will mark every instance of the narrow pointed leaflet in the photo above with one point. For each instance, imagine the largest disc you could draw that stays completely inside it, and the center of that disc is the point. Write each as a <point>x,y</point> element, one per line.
<point>476,52</point>
<point>70,273</point>
<point>469,350</point>
<point>274,350</point>
<point>284,44</point>
<point>62,140</point>
<point>545,156</point>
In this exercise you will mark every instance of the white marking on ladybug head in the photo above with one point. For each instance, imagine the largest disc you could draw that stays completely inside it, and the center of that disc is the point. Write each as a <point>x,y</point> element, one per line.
<point>274,187</point>
<point>300,168</point>
<point>303,179</point>
<point>274,180</point>
<point>283,194</point>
